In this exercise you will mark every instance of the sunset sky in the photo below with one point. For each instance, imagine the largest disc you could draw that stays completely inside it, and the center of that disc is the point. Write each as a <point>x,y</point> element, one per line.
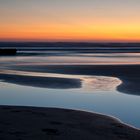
<point>70,20</point>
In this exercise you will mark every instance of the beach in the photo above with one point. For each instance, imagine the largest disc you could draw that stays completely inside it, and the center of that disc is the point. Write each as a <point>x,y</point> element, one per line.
<point>52,123</point>
<point>128,74</point>
<point>44,116</point>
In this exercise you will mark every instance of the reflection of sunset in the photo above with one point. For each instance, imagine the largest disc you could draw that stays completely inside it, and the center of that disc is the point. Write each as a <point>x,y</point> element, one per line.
<point>89,83</point>
<point>100,83</point>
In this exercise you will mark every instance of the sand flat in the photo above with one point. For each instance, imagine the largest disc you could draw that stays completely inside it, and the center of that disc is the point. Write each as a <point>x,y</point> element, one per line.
<point>128,74</point>
<point>20,123</point>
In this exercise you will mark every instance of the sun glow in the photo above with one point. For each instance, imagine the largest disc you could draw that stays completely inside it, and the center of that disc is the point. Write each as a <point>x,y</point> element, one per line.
<point>70,21</point>
<point>100,32</point>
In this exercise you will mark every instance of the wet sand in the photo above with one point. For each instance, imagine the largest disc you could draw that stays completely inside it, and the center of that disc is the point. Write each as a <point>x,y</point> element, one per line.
<point>128,74</point>
<point>20,123</point>
<point>42,82</point>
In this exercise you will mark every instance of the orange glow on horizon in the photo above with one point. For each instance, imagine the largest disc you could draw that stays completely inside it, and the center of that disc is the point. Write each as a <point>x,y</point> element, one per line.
<point>70,20</point>
<point>79,32</point>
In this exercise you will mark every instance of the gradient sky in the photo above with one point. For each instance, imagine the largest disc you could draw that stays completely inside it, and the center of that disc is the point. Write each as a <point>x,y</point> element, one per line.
<point>70,20</point>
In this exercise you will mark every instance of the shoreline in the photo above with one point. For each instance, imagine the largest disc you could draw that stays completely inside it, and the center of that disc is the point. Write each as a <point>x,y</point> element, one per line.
<point>130,85</point>
<point>128,74</point>
<point>41,123</point>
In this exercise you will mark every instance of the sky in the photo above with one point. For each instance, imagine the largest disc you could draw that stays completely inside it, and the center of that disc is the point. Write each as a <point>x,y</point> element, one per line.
<point>70,20</point>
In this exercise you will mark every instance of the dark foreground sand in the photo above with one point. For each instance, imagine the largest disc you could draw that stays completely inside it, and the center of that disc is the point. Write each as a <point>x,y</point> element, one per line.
<point>28,123</point>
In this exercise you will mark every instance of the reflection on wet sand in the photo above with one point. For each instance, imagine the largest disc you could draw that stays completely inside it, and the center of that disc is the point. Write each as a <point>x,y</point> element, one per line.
<point>110,65</point>
<point>128,74</point>
<point>100,83</point>
<point>60,81</point>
